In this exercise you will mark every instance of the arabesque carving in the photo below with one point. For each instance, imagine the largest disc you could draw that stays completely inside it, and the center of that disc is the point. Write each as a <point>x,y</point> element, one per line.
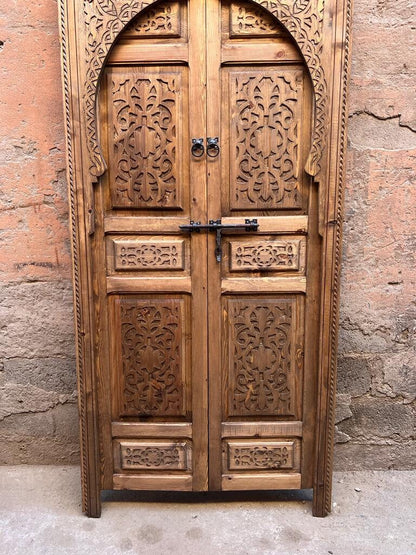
<point>260,364</point>
<point>265,120</point>
<point>247,20</point>
<point>144,112</point>
<point>152,358</point>
<point>105,19</point>
<point>260,456</point>
<point>264,255</point>
<point>161,21</point>
<point>131,254</point>
<point>154,455</point>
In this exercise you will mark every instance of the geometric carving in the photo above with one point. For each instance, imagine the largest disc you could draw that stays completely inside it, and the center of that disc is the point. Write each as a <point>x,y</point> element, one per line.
<point>265,255</point>
<point>273,455</point>
<point>260,360</point>
<point>133,254</point>
<point>152,357</point>
<point>148,455</point>
<point>249,20</point>
<point>143,141</point>
<point>163,20</point>
<point>265,119</point>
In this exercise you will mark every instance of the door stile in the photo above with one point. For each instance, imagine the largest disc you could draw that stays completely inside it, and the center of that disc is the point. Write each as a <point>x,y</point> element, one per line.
<point>198,207</point>
<point>215,323</point>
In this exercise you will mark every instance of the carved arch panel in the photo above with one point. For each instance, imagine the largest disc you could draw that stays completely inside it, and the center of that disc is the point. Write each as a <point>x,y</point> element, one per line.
<point>106,19</point>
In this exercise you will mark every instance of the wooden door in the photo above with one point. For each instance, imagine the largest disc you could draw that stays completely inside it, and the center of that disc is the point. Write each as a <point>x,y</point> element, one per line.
<point>209,356</point>
<point>263,294</point>
<point>153,277</point>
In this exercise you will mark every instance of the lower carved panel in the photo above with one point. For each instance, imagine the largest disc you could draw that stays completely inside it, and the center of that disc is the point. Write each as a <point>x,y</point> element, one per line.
<point>265,455</point>
<point>157,455</point>
<point>152,367</point>
<point>263,356</point>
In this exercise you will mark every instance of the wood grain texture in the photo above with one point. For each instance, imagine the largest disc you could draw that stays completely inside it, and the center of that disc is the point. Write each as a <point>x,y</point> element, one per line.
<point>261,428</point>
<point>152,429</point>
<point>236,482</point>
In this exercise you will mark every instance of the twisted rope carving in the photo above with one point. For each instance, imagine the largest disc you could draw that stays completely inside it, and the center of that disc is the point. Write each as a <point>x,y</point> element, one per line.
<point>75,255</point>
<point>337,261</point>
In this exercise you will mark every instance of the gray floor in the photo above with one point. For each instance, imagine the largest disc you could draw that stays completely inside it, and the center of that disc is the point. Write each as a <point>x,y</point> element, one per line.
<point>374,513</point>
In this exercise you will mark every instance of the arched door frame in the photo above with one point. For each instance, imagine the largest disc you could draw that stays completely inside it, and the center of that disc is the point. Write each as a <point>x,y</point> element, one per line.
<point>322,33</point>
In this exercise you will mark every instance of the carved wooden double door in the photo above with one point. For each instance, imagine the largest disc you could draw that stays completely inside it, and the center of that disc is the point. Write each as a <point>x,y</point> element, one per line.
<point>205,114</point>
<point>204,237</point>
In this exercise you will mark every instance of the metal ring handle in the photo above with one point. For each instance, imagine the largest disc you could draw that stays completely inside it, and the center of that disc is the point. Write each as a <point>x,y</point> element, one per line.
<point>213,148</point>
<point>197,148</point>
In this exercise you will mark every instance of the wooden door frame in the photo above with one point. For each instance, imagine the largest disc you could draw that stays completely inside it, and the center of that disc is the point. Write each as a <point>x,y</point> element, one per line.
<point>322,32</point>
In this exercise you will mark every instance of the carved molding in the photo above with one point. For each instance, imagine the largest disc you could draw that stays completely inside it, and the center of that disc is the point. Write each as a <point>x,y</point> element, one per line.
<point>105,19</point>
<point>304,21</point>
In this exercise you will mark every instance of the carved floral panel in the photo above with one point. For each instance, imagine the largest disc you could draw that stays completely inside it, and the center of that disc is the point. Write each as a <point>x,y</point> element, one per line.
<point>136,254</point>
<point>152,381</point>
<point>252,256</point>
<point>148,455</point>
<point>265,129</point>
<point>162,20</point>
<point>145,110</point>
<point>270,455</point>
<point>260,366</point>
<point>250,20</point>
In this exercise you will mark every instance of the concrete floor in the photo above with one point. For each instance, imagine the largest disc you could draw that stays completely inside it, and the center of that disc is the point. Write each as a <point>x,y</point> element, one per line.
<point>374,513</point>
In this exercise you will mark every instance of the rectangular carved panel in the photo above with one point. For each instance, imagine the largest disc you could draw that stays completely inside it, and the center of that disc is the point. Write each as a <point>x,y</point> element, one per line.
<point>264,353</point>
<point>162,20</point>
<point>153,455</point>
<point>260,455</point>
<point>147,116</point>
<point>142,254</point>
<point>264,255</point>
<point>265,130</point>
<point>252,21</point>
<point>152,357</point>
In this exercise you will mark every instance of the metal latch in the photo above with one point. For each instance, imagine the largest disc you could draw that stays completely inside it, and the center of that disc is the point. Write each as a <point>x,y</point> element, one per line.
<point>215,226</point>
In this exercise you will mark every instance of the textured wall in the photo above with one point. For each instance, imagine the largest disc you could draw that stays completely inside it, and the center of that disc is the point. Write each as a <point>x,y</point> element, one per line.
<point>377,380</point>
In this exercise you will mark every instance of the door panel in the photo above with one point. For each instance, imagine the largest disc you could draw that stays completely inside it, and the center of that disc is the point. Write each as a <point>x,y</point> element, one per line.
<point>263,117</point>
<point>263,357</point>
<point>148,116</point>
